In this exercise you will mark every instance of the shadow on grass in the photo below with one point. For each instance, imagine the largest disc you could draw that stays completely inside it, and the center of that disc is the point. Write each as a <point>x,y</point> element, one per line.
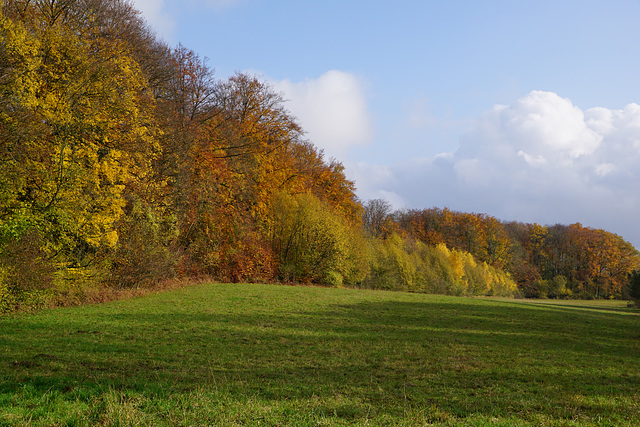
<point>464,357</point>
<point>605,306</point>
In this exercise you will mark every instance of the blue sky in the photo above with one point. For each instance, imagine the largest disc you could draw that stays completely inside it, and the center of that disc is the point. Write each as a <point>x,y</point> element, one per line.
<point>525,110</point>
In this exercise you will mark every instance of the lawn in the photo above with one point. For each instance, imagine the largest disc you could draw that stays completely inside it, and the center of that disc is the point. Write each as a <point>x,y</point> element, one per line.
<point>267,355</point>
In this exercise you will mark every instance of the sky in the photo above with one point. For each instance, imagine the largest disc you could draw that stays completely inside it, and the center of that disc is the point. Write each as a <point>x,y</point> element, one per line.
<point>524,110</point>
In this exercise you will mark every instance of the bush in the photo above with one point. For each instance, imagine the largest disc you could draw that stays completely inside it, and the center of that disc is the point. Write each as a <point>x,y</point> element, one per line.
<point>333,279</point>
<point>26,271</point>
<point>558,287</point>
<point>144,252</point>
<point>634,287</point>
<point>312,242</point>
<point>247,259</point>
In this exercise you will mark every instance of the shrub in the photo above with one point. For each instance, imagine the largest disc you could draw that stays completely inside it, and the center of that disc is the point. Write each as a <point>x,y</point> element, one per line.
<point>312,242</point>
<point>634,286</point>
<point>26,271</point>
<point>144,252</point>
<point>333,279</point>
<point>558,287</point>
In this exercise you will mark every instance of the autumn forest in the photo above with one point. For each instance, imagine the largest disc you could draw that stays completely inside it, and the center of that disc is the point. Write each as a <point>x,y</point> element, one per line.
<point>125,163</point>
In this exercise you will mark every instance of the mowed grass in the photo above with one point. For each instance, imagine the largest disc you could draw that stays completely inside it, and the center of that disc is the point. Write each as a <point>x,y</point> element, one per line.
<point>225,355</point>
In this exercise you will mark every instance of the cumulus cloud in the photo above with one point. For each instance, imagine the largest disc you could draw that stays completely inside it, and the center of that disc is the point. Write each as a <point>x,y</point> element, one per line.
<point>541,159</point>
<point>374,181</point>
<point>332,109</point>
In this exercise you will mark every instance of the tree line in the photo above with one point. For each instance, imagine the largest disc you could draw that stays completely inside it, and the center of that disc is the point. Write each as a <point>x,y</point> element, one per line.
<point>557,261</point>
<point>125,162</point>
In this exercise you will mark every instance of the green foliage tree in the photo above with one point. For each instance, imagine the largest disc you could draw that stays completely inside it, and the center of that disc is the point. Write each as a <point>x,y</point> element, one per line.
<point>633,288</point>
<point>313,243</point>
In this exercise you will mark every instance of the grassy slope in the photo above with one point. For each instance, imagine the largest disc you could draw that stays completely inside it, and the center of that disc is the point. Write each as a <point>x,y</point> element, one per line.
<point>275,355</point>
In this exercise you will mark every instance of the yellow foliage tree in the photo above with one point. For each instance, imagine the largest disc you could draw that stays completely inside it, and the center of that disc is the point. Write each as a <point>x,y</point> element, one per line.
<point>88,134</point>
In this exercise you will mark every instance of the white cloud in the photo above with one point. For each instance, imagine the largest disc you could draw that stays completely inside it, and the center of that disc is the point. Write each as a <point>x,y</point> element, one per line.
<point>155,14</point>
<point>332,109</point>
<point>540,126</point>
<point>371,181</point>
<point>544,123</point>
<point>541,159</point>
<point>605,169</point>
<point>532,160</point>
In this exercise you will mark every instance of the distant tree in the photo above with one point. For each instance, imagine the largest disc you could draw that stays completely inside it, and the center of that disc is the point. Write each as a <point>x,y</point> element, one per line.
<point>634,286</point>
<point>375,217</point>
<point>497,244</point>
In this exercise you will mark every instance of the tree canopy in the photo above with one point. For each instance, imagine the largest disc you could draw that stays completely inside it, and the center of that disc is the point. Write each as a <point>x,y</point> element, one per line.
<point>124,162</point>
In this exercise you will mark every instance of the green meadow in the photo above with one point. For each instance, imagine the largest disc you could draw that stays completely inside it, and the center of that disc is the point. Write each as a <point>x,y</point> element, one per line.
<point>269,355</point>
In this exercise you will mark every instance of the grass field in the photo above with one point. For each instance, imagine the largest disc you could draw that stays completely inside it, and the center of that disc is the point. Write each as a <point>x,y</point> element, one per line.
<point>225,355</point>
